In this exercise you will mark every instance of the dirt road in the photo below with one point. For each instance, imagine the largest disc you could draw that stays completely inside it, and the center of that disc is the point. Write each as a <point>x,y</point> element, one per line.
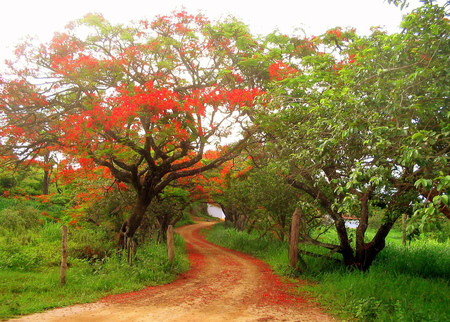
<point>222,285</point>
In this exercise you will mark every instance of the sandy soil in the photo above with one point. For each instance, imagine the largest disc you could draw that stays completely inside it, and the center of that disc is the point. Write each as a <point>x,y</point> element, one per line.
<point>222,285</point>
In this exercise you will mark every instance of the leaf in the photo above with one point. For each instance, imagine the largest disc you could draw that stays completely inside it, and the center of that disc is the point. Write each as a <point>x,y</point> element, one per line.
<point>418,136</point>
<point>434,29</point>
<point>426,183</point>
<point>437,200</point>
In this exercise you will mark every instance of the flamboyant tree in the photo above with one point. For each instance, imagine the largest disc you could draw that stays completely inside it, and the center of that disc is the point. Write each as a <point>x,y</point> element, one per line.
<point>363,120</point>
<point>143,101</point>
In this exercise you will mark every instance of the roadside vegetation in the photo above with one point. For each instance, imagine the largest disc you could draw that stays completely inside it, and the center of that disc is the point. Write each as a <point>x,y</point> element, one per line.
<point>30,255</point>
<point>405,283</point>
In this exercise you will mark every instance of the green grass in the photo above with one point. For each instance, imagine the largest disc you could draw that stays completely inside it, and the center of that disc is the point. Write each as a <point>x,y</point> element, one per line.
<point>185,220</point>
<point>404,284</point>
<point>29,269</point>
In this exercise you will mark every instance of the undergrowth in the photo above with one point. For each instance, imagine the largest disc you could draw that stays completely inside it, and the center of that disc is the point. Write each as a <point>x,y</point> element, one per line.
<point>30,254</point>
<point>29,279</point>
<point>405,283</point>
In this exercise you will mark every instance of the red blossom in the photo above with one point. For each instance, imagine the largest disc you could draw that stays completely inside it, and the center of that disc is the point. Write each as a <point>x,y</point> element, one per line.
<point>336,32</point>
<point>280,71</point>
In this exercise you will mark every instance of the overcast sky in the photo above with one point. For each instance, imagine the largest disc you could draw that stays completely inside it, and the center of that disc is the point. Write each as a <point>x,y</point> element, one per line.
<point>42,18</point>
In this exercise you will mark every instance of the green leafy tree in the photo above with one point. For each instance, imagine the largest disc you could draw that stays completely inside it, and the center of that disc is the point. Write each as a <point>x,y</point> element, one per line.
<point>366,119</point>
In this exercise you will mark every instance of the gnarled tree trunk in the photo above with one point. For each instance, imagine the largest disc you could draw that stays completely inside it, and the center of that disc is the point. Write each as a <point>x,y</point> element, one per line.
<point>133,222</point>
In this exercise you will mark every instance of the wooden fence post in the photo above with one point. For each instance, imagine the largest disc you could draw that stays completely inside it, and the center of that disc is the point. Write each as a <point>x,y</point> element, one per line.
<point>62,280</point>
<point>296,261</point>
<point>170,246</point>
<point>295,232</point>
<point>130,250</point>
<point>404,229</point>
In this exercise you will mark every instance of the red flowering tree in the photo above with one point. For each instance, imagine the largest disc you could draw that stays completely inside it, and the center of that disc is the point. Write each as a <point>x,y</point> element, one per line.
<point>143,101</point>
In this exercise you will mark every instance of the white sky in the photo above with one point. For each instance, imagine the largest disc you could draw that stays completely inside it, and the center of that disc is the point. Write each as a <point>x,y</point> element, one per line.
<point>42,18</point>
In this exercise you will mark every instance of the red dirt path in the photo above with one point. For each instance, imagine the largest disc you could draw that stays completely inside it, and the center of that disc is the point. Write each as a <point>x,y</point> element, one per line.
<point>222,285</point>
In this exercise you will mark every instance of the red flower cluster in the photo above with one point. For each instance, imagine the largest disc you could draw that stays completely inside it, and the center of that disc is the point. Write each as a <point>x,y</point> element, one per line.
<point>337,32</point>
<point>280,71</point>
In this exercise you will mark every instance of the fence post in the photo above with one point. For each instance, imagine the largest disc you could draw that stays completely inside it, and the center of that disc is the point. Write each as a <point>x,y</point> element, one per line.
<point>62,280</point>
<point>404,229</point>
<point>130,251</point>
<point>170,246</point>
<point>295,232</point>
<point>296,261</point>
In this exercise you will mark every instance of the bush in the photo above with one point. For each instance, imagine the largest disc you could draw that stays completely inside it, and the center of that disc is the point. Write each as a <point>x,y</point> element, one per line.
<point>90,242</point>
<point>18,258</point>
<point>19,220</point>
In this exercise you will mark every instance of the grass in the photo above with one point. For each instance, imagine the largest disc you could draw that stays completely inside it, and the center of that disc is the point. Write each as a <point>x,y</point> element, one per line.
<point>29,268</point>
<point>404,284</point>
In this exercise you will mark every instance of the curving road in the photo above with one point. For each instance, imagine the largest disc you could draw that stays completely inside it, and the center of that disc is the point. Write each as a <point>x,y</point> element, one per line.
<point>222,285</point>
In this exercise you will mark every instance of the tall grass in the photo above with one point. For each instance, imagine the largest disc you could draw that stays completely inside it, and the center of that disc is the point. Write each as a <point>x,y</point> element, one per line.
<point>427,259</point>
<point>404,284</point>
<point>29,269</point>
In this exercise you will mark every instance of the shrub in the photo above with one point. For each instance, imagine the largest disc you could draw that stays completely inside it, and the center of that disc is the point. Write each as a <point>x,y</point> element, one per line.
<point>19,258</point>
<point>19,220</point>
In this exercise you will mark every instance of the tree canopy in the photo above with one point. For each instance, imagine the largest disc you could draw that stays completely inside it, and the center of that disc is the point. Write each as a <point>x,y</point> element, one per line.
<point>365,120</point>
<point>144,101</point>
<point>349,121</point>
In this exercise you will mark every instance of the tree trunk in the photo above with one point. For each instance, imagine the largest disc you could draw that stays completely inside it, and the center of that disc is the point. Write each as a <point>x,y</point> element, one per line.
<point>367,253</point>
<point>363,223</point>
<point>164,222</point>
<point>176,219</point>
<point>46,183</point>
<point>345,248</point>
<point>240,222</point>
<point>133,222</point>
<point>251,226</point>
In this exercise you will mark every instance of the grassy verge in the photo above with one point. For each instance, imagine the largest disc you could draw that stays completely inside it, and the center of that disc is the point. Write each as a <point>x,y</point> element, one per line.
<point>404,284</point>
<point>29,270</point>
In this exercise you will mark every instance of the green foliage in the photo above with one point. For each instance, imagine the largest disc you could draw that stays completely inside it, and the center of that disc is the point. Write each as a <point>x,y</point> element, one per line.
<point>363,121</point>
<point>22,214</point>
<point>19,258</point>
<point>28,181</point>
<point>185,220</point>
<point>19,220</point>
<point>262,196</point>
<point>93,242</point>
<point>30,255</point>
<point>364,118</point>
